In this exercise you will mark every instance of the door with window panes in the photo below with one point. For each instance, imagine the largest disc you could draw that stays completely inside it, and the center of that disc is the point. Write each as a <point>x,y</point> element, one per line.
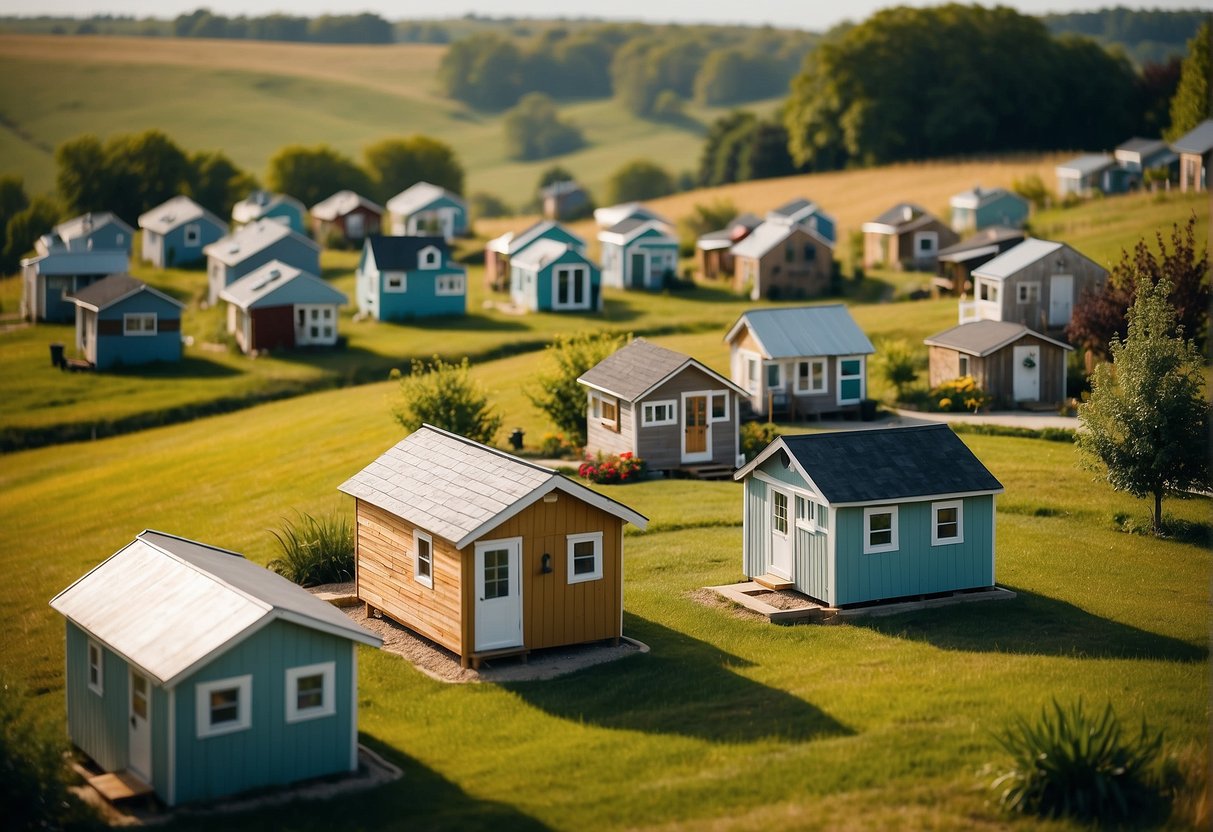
<point>498,622</point>
<point>695,427</point>
<point>315,324</point>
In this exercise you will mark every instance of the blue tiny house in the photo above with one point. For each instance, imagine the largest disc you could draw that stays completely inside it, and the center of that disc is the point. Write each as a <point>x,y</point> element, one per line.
<point>401,278</point>
<point>551,276</point>
<point>204,675</point>
<point>980,208</point>
<point>280,208</point>
<point>638,254</point>
<point>100,231</point>
<point>250,247</point>
<point>121,321</point>
<point>853,517</point>
<point>176,232</point>
<point>426,209</point>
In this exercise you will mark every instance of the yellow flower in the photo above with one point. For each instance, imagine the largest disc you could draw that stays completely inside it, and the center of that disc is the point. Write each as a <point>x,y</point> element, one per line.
<point>945,404</point>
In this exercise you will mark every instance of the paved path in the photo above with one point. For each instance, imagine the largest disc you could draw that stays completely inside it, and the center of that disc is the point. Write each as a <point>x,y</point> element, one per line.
<point>1007,418</point>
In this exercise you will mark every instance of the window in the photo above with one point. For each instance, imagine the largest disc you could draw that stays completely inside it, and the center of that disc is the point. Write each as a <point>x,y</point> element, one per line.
<point>779,512</point>
<point>429,258</point>
<point>396,282</point>
<point>1028,292</point>
<point>947,523</point>
<point>789,252</point>
<point>810,252</point>
<point>752,374</point>
<point>139,323</point>
<point>96,668</point>
<point>774,376</point>
<point>572,286</point>
<point>987,291</point>
<point>224,706</point>
<point>879,529</point>
<point>806,511</point>
<point>193,234</point>
<point>610,413</point>
<point>811,376</point>
<point>585,557</point>
<point>963,365</point>
<point>448,284</point>
<point>720,406</point>
<point>850,380</point>
<point>659,413</point>
<point>423,558</point>
<point>496,573</point>
<point>309,692</point>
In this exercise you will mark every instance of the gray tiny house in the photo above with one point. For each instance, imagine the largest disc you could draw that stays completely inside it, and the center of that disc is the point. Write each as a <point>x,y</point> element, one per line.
<point>852,517</point>
<point>204,675</point>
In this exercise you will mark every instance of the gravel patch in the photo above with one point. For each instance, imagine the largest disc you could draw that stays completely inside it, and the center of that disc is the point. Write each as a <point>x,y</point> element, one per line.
<point>783,599</point>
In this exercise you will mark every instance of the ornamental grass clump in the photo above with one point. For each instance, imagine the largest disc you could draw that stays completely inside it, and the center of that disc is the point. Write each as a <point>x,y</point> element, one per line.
<point>1071,763</point>
<point>959,395</point>
<point>609,470</point>
<point>315,550</point>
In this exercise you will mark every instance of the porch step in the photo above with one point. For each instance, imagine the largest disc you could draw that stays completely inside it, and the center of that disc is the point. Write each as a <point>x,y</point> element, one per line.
<point>773,581</point>
<point>710,472</point>
<point>119,785</point>
<point>477,658</point>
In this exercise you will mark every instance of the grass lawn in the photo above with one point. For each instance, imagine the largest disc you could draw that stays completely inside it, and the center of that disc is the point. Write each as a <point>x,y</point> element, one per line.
<point>727,723</point>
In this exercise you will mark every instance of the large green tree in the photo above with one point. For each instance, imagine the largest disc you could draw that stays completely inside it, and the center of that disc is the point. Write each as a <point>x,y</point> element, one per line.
<point>1193,101</point>
<point>129,174</point>
<point>533,130</point>
<point>396,164</point>
<point>26,226</point>
<point>1146,425</point>
<point>311,174</point>
<point>216,183</point>
<point>639,179</point>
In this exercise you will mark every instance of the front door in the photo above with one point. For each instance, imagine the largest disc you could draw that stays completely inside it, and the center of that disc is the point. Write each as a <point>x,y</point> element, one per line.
<point>1061,299</point>
<point>139,755</point>
<point>498,594</point>
<point>1026,381</point>
<point>781,539</point>
<point>638,276</point>
<point>353,226</point>
<point>696,442</point>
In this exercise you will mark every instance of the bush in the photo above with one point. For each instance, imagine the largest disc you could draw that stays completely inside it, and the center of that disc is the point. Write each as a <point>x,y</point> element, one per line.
<point>315,550</point>
<point>444,395</point>
<point>959,395</point>
<point>755,436</point>
<point>609,470</point>
<point>1033,189</point>
<point>1069,763</point>
<point>554,446</point>
<point>899,364</point>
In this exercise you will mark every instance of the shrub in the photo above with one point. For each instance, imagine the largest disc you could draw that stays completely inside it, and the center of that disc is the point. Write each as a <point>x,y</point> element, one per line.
<point>755,436</point>
<point>959,395</point>
<point>444,395</point>
<point>899,364</point>
<point>1071,763</point>
<point>554,445</point>
<point>315,550</point>
<point>609,470</point>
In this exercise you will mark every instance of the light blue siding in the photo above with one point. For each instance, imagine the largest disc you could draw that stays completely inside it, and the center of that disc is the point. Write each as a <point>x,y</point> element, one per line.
<point>812,563</point>
<point>175,252</point>
<point>554,232</point>
<point>1007,209</point>
<point>290,213</point>
<point>127,350</point>
<point>757,548</point>
<point>97,724</point>
<point>421,300</point>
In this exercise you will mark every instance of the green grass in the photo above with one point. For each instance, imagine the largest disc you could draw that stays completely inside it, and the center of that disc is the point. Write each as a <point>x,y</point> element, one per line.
<point>728,722</point>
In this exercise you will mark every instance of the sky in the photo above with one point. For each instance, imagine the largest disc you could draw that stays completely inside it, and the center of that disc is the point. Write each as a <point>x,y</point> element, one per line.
<point>814,15</point>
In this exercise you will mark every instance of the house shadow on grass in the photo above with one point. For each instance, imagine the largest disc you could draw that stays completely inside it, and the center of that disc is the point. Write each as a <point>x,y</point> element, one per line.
<point>683,686</point>
<point>190,366</point>
<point>1033,624</point>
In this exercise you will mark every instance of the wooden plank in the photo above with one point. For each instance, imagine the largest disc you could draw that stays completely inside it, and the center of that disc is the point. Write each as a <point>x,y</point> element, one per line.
<point>119,785</point>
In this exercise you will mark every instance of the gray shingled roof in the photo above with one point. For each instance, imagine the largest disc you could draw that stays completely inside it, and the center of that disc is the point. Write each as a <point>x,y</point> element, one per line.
<point>169,605</point>
<point>457,489</point>
<point>1197,140</point>
<point>632,371</point>
<point>885,464</point>
<point>804,331</point>
<point>109,290</point>
<point>982,338</point>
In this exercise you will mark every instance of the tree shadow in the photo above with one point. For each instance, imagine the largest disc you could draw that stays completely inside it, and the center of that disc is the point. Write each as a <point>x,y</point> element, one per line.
<point>1032,624</point>
<point>685,687</point>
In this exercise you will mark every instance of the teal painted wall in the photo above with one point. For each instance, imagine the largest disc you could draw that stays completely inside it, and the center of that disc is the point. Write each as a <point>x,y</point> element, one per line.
<point>97,724</point>
<point>916,567</point>
<point>271,751</point>
<point>126,350</point>
<point>1006,210</point>
<point>558,233</point>
<point>546,281</point>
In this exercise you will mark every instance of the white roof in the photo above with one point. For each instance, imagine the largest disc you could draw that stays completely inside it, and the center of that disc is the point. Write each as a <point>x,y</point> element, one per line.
<point>539,253</point>
<point>250,239</point>
<point>169,605</point>
<point>977,196</point>
<point>624,231</point>
<point>459,489</point>
<point>257,203</point>
<point>174,213</point>
<point>291,285</point>
<point>341,203</point>
<point>414,199</point>
<point>501,244</point>
<point>770,234</point>
<point>1014,260</point>
<point>615,214</point>
<point>1086,164</point>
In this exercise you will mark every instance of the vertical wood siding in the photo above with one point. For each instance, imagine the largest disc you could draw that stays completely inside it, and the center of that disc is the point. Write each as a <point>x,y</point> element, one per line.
<point>602,438</point>
<point>812,563</point>
<point>96,724</point>
<point>756,554</point>
<point>1088,277</point>
<point>799,277</point>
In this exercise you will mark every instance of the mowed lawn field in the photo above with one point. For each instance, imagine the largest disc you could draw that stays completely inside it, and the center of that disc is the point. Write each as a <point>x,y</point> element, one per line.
<point>728,723</point>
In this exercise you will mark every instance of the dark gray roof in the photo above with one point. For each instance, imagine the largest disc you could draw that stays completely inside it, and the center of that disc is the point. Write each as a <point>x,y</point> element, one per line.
<point>625,226</point>
<point>993,235</point>
<point>790,208</point>
<point>981,338</point>
<point>889,464</point>
<point>1197,140</point>
<point>400,253</point>
<point>900,214</point>
<point>634,370</point>
<point>110,290</point>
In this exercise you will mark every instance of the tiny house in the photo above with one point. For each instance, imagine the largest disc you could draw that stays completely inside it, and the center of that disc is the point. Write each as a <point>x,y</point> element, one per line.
<point>638,254</point>
<point>905,237</point>
<point>121,321</point>
<point>499,250</point>
<point>552,276</point>
<point>250,247</point>
<point>347,217</point>
<point>1089,174</point>
<point>979,208</point>
<point>1006,360</point>
<point>427,210</point>
<point>401,278</point>
<point>780,261</point>
<point>279,208</point>
<point>852,517</point>
<point>714,250</point>
<point>1195,149</point>
<point>47,280</point>
<point>94,231</point>
<point>484,553</point>
<point>801,211</point>
<point>176,232</point>
<point>204,675</point>
<point>279,306</point>
<point>957,262</point>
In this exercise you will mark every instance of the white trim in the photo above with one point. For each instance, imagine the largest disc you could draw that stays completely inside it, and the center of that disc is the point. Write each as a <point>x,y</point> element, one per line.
<point>99,687</point>
<point>832,557</point>
<point>726,395</point>
<point>781,383</point>
<point>418,536</point>
<point>648,421</point>
<point>706,453</point>
<point>840,378</point>
<point>514,545</point>
<point>922,498</point>
<point>449,285</point>
<point>244,710</point>
<point>429,257</point>
<point>766,453</point>
<point>571,541</point>
<point>962,364</point>
<point>327,671</point>
<point>823,363</point>
<point>388,277</point>
<point>868,514</point>
<point>576,272</point>
<point>936,540</point>
<point>192,235</point>
<point>353,706</point>
<point>763,476</point>
<point>128,317</point>
<point>923,236</point>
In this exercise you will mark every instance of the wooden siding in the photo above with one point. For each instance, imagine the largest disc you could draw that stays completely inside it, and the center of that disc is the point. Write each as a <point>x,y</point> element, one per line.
<point>756,553</point>
<point>995,373</point>
<point>555,612</point>
<point>385,577</point>
<point>916,567</point>
<point>661,446</point>
<point>97,725</point>
<point>812,576</point>
<point>601,438</point>
<point>1088,277</point>
<point>780,278</point>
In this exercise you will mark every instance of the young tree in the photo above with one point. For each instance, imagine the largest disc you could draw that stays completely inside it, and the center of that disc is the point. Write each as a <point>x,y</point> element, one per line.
<point>1191,104</point>
<point>311,174</point>
<point>396,164</point>
<point>445,395</point>
<point>559,394</point>
<point>533,130</point>
<point>640,179</point>
<point>1147,421</point>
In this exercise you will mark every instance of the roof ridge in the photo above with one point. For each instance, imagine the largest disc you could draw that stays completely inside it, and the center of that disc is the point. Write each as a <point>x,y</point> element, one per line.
<point>261,602</point>
<point>862,431</point>
<point>495,451</point>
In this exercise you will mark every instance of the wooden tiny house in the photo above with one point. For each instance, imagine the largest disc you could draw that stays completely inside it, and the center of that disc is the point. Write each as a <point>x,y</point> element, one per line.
<point>1006,360</point>
<point>484,553</point>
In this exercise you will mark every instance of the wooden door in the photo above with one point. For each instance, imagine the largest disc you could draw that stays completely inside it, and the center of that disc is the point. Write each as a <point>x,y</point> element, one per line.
<point>695,427</point>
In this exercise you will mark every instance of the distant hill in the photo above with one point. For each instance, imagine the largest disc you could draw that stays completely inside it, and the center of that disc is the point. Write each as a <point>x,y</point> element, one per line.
<point>1146,35</point>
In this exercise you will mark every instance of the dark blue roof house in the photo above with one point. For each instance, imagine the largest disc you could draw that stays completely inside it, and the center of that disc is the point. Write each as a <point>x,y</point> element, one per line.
<point>401,278</point>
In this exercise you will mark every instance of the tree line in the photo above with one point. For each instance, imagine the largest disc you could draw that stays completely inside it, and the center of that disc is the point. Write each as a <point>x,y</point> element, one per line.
<point>355,28</point>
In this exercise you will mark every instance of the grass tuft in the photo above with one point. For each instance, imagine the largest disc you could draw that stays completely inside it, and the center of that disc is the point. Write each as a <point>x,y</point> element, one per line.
<point>315,550</point>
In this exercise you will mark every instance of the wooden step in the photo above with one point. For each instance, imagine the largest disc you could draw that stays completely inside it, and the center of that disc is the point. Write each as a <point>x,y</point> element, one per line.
<point>477,658</point>
<point>119,785</point>
<point>710,472</point>
<point>773,582</point>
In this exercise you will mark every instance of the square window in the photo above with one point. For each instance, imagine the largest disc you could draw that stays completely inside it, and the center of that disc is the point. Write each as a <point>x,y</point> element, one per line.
<point>811,376</point>
<point>720,406</point>
<point>423,559</point>
<point>879,529</point>
<point>806,512</point>
<point>610,414</point>
<point>947,523</point>
<point>96,668</point>
<point>224,706</point>
<point>655,414</point>
<point>1028,293</point>
<point>496,573</point>
<point>310,692</point>
<point>396,283</point>
<point>585,557</point>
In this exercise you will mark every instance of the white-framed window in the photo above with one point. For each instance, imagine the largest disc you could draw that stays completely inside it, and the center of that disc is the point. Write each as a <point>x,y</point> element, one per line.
<point>310,692</point>
<point>448,284</point>
<point>947,523</point>
<point>609,413</point>
<point>193,234</point>
<point>926,242</point>
<point>811,376</point>
<point>585,557</point>
<point>572,288</point>
<point>962,364</point>
<point>655,414</point>
<point>774,375</point>
<point>806,513</point>
<point>396,282</point>
<point>224,706</point>
<point>1028,292</point>
<point>423,558</point>
<point>751,375</point>
<point>720,406</point>
<point>429,258</point>
<point>96,668</point>
<point>987,290</point>
<point>779,512</point>
<point>879,529</point>
<point>139,323</point>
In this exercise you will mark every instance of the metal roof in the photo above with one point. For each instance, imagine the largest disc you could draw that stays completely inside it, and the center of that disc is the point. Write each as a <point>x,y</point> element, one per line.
<point>769,235</point>
<point>1141,147</point>
<point>277,284</point>
<point>103,261</point>
<point>109,290</point>
<point>981,338</point>
<point>169,605</point>
<point>977,196</point>
<point>458,489</point>
<point>1087,164</point>
<point>627,230</point>
<point>418,197</point>
<point>1014,260</point>
<point>804,331</point>
<point>257,203</point>
<point>86,224</point>
<point>983,239</point>
<point>614,214</point>
<point>174,213</point>
<point>249,239</point>
<point>1197,140</point>
<point>883,464</point>
<point>541,252</point>
<point>342,203</point>
<point>633,371</point>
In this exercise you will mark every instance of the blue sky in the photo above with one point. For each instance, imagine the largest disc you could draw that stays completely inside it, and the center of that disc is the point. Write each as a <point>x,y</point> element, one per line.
<point>815,15</point>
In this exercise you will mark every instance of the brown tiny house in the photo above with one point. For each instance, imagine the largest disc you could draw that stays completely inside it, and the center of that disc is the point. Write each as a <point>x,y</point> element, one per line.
<point>484,553</point>
<point>1007,360</point>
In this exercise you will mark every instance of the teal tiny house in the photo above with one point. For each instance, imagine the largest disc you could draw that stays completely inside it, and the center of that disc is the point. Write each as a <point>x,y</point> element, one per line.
<point>121,321</point>
<point>552,276</point>
<point>205,675</point>
<point>402,278</point>
<point>426,209</point>
<point>869,515</point>
<point>279,208</point>
<point>638,254</point>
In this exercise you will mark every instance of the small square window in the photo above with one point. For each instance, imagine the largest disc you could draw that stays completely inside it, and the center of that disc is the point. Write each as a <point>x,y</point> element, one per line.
<point>1028,293</point>
<point>224,706</point>
<point>585,557</point>
<point>774,376</point>
<point>880,529</point>
<point>423,559</point>
<point>947,523</point>
<point>310,692</point>
<point>610,414</point>
<point>720,406</point>
<point>96,668</point>
<point>396,283</point>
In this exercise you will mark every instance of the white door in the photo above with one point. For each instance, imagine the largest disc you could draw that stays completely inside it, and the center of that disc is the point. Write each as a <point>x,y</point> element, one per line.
<point>1061,299</point>
<point>353,226</point>
<point>498,594</point>
<point>1026,380</point>
<point>781,539</point>
<point>139,755</point>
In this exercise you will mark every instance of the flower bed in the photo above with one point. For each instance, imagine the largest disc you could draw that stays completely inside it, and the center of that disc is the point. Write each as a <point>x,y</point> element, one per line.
<point>608,470</point>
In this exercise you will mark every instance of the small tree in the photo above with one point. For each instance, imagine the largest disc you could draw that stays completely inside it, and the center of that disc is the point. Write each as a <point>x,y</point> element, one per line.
<point>899,364</point>
<point>444,395</point>
<point>639,179</point>
<point>1147,422</point>
<point>559,394</point>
